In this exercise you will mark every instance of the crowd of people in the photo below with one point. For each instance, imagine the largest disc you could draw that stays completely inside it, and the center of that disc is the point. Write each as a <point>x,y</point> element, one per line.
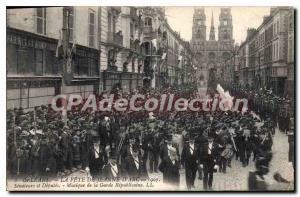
<point>267,104</point>
<point>135,144</point>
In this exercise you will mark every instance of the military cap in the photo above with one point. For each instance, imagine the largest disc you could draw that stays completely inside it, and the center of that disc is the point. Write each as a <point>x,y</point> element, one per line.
<point>113,153</point>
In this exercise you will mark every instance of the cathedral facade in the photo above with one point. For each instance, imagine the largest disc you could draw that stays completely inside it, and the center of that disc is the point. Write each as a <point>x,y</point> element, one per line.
<point>212,53</point>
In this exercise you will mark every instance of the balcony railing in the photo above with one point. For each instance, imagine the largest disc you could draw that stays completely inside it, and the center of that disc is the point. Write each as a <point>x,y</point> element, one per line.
<point>115,38</point>
<point>148,30</point>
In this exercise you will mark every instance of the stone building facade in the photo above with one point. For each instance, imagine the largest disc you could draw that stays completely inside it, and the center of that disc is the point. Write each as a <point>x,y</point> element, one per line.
<point>264,54</point>
<point>124,47</point>
<point>34,73</point>
<point>291,57</point>
<point>121,58</point>
<point>168,56</point>
<point>212,54</point>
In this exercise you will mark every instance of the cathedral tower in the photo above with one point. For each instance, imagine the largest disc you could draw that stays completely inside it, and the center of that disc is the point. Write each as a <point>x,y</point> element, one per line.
<point>225,25</point>
<point>199,27</point>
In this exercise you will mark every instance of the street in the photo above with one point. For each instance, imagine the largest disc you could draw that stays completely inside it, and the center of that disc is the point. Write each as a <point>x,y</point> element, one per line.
<point>101,85</point>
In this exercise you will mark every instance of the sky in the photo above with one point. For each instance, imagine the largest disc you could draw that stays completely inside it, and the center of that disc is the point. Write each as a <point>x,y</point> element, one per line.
<point>181,20</point>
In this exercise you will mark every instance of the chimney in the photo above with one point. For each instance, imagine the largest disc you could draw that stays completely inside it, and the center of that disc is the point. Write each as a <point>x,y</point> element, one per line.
<point>272,10</point>
<point>250,32</point>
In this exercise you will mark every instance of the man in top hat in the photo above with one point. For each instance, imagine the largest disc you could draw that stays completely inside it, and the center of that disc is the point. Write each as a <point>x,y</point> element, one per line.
<point>105,131</point>
<point>189,159</point>
<point>97,157</point>
<point>47,157</point>
<point>112,169</point>
<point>170,168</point>
<point>35,154</point>
<point>76,148</point>
<point>127,148</point>
<point>154,147</point>
<point>207,159</point>
<point>134,165</point>
<point>165,149</point>
<point>67,148</point>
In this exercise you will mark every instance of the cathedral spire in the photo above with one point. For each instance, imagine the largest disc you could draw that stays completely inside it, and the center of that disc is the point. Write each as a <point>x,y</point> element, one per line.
<point>212,28</point>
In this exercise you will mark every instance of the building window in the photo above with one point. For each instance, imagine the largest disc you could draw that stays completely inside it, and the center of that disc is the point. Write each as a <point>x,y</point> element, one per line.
<point>148,22</point>
<point>226,35</point>
<point>68,21</point>
<point>278,50</point>
<point>34,57</point>
<point>39,60</point>
<point>52,64</point>
<point>273,52</point>
<point>131,31</point>
<point>133,65</point>
<point>93,67</point>
<point>111,58</point>
<point>225,23</point>
<point>91,28</point>
<point>147,48</point>
<point>41,20</point>
<point>112,20</point>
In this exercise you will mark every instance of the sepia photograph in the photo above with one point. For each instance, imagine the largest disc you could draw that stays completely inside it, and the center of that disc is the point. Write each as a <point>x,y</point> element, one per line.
<point>150,98</point>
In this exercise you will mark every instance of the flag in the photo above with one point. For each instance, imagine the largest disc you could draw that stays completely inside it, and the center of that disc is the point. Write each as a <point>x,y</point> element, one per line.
<point>154,67</point>
<point>73,50</point>
<point>59,49</point>
<point>136,35</point>
<point>141,38</point>
<point>68,70</point>
<point>180,58</point>
<point>154,43</point>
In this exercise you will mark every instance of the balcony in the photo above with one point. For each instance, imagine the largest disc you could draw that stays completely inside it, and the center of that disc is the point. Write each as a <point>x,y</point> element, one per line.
<point>133,14</point>
<point>115,38</point>
<point>148,31</point>
<point>111,66</point>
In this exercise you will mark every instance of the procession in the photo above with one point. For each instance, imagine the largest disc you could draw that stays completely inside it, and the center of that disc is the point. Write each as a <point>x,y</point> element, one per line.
<point>124,97</point>
<point>137,144</point>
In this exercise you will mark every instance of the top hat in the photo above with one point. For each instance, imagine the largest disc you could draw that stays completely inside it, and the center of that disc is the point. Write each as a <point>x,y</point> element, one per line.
<point>168,137</point>
<point>113,154</point>
<point>95,134</point>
